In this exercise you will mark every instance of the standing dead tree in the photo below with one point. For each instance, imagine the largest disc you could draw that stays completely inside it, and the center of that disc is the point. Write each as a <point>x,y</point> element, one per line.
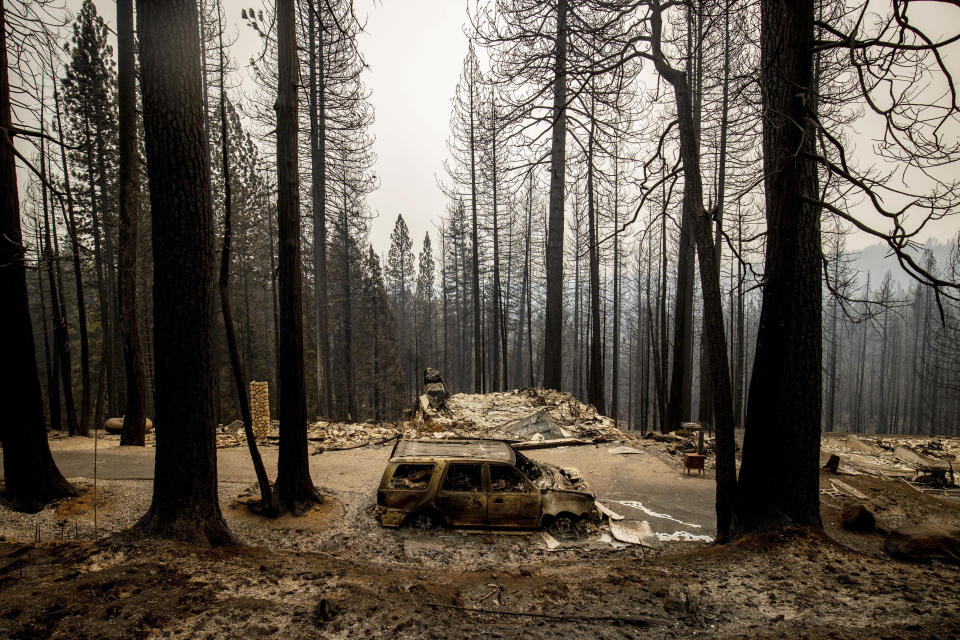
<point>463,145</point>
<point>896,65</point>
<point>30,474</point>
<point>268,504</point>
<point>134,419</point>
<point>699,217</point>
<point>185,502</point>
<point>526,50</point>
<point>294,487</point>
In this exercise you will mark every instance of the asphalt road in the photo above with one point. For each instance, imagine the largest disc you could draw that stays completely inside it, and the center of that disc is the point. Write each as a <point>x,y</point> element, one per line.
<point>638,486</point>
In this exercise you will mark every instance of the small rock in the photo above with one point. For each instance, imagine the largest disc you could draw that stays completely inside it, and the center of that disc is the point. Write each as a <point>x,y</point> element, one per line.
<point>858,518</point>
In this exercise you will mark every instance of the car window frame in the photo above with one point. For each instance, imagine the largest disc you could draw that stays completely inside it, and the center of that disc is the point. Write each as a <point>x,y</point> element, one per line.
<point>400,464</point>
<point>528,486</point>
<point>441,488</point>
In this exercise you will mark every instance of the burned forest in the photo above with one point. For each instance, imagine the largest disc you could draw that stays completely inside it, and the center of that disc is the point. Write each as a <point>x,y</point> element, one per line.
<point>488,319</point>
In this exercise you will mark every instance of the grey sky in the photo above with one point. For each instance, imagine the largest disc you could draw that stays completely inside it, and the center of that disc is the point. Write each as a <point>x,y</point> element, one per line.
<point>414,49</point>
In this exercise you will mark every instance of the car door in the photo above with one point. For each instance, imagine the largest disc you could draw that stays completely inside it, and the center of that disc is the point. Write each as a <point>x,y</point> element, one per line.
<point>512,501</point>
<point>461,498</point>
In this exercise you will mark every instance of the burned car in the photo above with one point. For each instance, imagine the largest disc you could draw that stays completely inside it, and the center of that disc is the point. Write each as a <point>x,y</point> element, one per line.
<point>471,483</point>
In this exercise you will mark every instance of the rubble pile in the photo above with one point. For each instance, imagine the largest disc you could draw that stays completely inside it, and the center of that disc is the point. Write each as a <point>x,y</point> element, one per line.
<point>524,414</point>
<point>904,456</point>
<point>943,448</point>
<point>928,464</point>
<point>520,415</point>
<point>344,435</point>
<point>684,440</point>
<point>231,435</point>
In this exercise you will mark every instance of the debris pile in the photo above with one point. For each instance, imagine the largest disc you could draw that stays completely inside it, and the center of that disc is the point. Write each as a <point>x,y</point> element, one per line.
<point>690,438</point>
<point>532,416</point>
<point>524,414</point>
<point>917,457</point>
<point>231,435</point>
<point>333,436</point>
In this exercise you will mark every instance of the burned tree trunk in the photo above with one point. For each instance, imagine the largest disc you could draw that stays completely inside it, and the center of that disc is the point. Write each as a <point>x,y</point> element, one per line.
<point>475,261</point>
<point>499,316</point>
<point>709,283</point>
<point>681,373</point>
<point>595,395</point>
<point>111,339</point>
<point>134,419</point>
<point>31,476</point>
<point>267,504</point>
<point>58,307</point>
<point>71,224</point>
<point>185,504</point>
<point>782,434</point>
<point>351,400</point>
<point>294,487</point>
<point>318,194</point>
<point>52,368</point>
<point>553,331</point>
<point>96,213</point>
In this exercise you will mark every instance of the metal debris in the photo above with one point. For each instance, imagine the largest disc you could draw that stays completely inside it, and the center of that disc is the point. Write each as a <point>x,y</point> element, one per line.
<point>634,532</point>
<point>611,514</point>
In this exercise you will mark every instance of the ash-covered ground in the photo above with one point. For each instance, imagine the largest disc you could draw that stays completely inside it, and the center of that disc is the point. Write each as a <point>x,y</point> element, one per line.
<point>336,573</point>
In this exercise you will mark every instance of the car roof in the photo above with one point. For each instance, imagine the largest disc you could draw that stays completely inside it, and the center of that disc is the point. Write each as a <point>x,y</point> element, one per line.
<point>474,449</point>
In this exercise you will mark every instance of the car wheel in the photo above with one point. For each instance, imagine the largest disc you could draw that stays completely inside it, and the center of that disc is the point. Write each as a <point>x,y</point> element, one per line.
<point>424,521</point>
<point>563,526</point>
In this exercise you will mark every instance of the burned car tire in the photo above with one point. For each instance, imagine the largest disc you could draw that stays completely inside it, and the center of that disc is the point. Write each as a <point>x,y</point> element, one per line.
<point>564,527</point>
<point>424,521</point>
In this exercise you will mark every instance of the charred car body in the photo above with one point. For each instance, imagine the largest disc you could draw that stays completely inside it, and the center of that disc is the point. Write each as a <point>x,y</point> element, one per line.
<point>477,483</point>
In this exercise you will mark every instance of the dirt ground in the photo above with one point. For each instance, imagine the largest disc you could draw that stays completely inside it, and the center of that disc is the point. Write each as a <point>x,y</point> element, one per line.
<point>335,573</point>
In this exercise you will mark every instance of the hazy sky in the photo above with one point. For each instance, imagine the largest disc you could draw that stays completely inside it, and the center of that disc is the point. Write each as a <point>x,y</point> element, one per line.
<point>414,49</point>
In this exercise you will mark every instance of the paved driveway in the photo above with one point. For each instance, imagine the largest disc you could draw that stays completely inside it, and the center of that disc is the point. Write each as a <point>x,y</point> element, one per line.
<point>638,486</point>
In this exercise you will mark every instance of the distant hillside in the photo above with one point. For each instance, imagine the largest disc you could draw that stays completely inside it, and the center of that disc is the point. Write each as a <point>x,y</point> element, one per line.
<point>877,260</point>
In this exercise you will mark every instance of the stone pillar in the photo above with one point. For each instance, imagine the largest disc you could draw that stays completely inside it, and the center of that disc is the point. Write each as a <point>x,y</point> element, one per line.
<point>260,408</point>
